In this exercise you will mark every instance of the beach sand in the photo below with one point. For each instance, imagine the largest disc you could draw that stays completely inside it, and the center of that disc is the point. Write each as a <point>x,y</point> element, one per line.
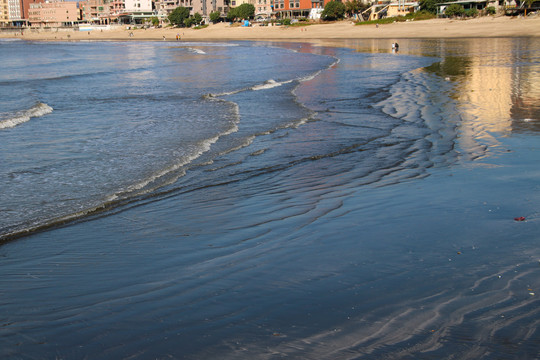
<point>501,26</point>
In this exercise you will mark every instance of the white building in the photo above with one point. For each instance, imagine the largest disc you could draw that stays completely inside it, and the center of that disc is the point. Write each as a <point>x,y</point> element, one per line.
<point>15,10</point>
<point>138,6</point>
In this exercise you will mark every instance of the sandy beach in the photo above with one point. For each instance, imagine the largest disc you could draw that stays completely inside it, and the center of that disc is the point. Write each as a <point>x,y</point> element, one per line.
<point>483,27</point>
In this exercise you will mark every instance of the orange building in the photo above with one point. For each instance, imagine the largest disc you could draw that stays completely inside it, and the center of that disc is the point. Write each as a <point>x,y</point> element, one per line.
<point>296,8</point>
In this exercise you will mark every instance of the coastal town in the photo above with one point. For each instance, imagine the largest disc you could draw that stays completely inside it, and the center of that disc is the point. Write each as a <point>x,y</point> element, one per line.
<point>87,14</point>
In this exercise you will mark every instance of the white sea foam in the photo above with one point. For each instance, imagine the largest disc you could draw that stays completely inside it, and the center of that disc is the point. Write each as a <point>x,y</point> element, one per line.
<point>12,120</point>
<point>269,84</point>
<point>197,51</point>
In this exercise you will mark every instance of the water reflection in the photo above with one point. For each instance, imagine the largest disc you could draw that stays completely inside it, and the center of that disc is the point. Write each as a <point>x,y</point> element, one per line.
<point>496,84</point>
<point>497,80</point>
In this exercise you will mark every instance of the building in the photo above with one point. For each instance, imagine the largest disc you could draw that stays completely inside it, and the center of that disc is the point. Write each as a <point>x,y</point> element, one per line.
<point>53,14</point>
<point>139,10</point>
<point>101,12</point>
<point>15,10</point>
<point>26,7</point>
<point>4,12</point>
<point>203,7</point>
<point>296,8</point>
<point>470,4</point>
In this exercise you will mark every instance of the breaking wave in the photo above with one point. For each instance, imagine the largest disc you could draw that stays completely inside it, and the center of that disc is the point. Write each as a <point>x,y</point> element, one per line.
<point>20,117</point>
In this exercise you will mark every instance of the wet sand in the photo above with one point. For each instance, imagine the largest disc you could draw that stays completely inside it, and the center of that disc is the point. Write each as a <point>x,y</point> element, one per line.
<point>483,27</point>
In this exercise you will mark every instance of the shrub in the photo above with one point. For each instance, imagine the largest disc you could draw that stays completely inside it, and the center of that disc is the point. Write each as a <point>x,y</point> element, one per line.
<point>189,22</point>
<point>286,21</point>
<point>214,16</point>
<point>490,10</point>
<point>454,10</point>
<point>471,12</point>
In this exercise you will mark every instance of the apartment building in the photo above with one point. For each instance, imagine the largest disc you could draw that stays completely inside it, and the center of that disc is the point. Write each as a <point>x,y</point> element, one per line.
<point>15,10</point>
<point>53,14</point>
<point>203,7</point>
<point>4,12</point>
<point>101,11</point>
<point>296,8</point>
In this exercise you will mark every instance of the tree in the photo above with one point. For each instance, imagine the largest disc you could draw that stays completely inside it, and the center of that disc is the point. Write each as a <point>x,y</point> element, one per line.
<point>353,7</point>
<point>178,16</point>
<point>155,21</point>
<point>231,15</point>
<point>430,5</point>
<point>189,22</point>
<point>334,10</point>
<point>214,16</point>
<point>197,18</point>
<point>245,11</point>
<point>454,10</point>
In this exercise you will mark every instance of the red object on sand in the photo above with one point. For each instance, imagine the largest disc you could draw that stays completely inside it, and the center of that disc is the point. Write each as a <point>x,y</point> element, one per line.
<point>521,218</point>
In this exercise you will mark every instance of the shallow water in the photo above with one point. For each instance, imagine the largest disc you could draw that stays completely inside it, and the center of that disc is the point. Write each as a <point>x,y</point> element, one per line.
<point>320,203</point>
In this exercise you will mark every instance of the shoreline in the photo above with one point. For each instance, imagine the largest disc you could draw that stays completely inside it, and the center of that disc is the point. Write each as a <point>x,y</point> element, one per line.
<point>483,27</point>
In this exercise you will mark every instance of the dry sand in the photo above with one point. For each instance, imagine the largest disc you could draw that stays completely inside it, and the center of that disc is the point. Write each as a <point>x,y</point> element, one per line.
<point>501,26</point>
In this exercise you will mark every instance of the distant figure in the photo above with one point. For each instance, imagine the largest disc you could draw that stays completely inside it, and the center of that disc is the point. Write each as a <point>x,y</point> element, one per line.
<point>177,37</point>
<point>395,47</point>
<point>377,26</point>
<point>163,38</point>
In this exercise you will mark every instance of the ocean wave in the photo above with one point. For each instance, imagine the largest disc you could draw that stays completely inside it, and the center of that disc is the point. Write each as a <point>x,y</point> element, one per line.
<point>269,84</point>
<point>38,110</point>
<point>197,51</point>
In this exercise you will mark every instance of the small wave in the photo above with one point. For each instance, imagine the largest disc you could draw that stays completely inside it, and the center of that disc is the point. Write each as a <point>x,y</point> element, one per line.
<point>23,116</point>
<point>197,51</point>
<point>269,84</point>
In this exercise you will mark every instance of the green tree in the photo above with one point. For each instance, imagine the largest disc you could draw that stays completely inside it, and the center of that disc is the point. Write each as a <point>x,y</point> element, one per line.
<point>430,5</point>
<point>178,16</point>
<point>454,10</point>
<point>471,12</point>
<point>231,15</point>
<point>155,21</point>
<point>197,18</point>
<point>245,11</point>
<point>353,7</point>
<point>189,22</point>
<point>334,10</point>
<point>491,10</point>
<point>214,16</point>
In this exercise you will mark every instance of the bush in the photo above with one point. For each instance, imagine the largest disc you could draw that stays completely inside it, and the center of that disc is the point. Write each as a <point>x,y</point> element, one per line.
<point>214,16</point>
<point>454,10</point>
<point>197,18</point>
<point>334,10</point>
<point>189,22</point>
<point>286,22</point>
<point>471,12</point>
<point>490,10</point>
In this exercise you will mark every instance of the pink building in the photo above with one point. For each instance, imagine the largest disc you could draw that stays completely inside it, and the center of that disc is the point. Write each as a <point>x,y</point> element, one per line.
<point>53,14</point>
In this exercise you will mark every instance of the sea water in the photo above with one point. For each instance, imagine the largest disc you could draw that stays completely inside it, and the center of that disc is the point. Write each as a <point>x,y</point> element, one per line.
<point>254,200</point>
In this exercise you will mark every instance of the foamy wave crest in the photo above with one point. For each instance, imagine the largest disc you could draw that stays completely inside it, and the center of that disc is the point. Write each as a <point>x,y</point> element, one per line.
<point>197,51</point>
<point>23,116</point>
<point>269,84</point>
